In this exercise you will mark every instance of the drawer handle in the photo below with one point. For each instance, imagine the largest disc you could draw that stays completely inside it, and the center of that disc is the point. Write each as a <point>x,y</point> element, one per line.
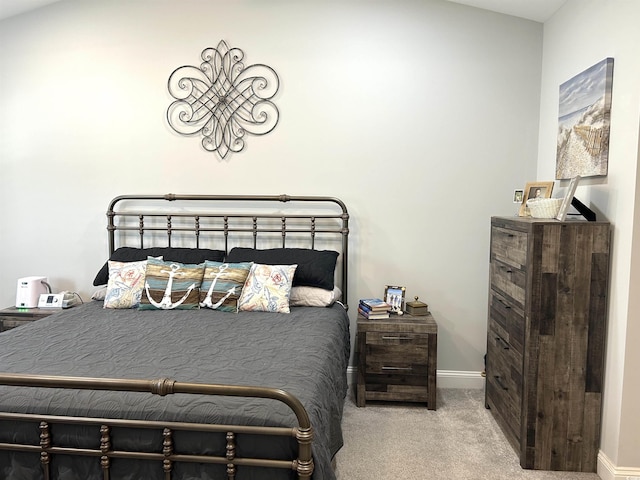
<point>499,382</point>
<point>395,369</point>
<point>505,345</point>
<point>398,337</point>
<point>505,305</point>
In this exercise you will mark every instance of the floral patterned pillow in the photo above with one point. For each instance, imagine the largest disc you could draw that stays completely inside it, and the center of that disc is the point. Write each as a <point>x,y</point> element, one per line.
<point>125,285</point>
<point>267,288</point>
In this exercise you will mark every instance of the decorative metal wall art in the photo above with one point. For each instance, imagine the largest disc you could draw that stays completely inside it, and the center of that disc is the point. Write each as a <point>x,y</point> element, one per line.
<point>222,100</point>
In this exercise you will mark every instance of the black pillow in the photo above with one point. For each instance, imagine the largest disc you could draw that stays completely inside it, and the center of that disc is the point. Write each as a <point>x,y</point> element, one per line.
<point>182,255</point>
<point>315,267</point>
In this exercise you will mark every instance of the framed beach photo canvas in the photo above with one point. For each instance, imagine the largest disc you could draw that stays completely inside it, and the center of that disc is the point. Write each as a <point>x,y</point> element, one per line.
<point>584,118</point>
<point>534,190</point>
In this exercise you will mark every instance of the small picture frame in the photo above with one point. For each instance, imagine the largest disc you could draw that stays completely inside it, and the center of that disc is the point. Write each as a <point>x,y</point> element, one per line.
<point>534,190</point>
<point>568,197</point>
<point>518,195</point>
<point>394,296</point>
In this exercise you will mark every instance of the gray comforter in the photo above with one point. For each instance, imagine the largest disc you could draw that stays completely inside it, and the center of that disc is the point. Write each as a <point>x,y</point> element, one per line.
<point>305,353</point>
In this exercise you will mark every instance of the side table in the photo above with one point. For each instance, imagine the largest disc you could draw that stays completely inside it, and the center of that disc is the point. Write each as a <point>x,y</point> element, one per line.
<point>397,359</point>
<point>13,317</point>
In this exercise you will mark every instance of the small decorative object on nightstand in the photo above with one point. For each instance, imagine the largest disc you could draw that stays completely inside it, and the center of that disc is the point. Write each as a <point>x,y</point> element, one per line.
<point>13,317</point>
<point>397,359</point>
<point>417,307</point>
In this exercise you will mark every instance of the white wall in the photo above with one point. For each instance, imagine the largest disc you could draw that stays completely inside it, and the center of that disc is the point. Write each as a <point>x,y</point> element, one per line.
<point>421,115</point>
<point>581,34</point>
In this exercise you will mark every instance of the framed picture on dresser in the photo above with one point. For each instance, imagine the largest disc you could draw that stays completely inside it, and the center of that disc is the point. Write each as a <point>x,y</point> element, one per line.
<point>568,198</point>
<point>534,190</point>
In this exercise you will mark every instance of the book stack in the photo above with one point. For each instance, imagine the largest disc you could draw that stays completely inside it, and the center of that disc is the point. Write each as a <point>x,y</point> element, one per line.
<point>373,308</point>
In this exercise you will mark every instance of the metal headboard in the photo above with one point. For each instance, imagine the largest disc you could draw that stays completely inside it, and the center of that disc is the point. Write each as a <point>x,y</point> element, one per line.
<point>224,221</point>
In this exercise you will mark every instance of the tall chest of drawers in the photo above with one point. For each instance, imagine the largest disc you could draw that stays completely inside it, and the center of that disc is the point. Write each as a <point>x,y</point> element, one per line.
<point>545,338</point>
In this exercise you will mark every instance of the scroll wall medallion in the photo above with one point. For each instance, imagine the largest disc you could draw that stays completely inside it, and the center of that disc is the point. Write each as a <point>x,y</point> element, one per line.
<point>223,100</point>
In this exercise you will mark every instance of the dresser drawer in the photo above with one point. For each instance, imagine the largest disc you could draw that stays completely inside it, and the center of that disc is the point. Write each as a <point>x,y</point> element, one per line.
<point>509,281</point>
<point>504,382</point>
<point>508,355</point>
<point>504,411</point>
<point>509,246</point>
<point>508,319</point>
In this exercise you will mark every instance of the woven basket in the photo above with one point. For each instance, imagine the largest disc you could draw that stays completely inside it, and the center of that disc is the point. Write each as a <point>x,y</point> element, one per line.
<point>544,207</point>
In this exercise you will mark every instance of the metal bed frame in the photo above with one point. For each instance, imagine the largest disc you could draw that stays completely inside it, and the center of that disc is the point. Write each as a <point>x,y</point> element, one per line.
<point>176,222</point>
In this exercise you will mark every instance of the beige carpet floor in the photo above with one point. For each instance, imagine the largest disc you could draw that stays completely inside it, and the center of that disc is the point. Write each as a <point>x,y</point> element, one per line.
<point>460,440</point>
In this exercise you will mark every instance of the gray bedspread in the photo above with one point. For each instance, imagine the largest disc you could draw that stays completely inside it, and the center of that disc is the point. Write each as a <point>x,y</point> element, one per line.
<point>305,353</point>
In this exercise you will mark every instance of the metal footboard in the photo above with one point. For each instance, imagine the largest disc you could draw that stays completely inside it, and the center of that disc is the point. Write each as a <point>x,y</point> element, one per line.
<point>167,457</point>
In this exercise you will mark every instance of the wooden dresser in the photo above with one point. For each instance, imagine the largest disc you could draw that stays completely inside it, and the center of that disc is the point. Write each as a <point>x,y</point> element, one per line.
<point>545,340</point>
<point>397,359</point>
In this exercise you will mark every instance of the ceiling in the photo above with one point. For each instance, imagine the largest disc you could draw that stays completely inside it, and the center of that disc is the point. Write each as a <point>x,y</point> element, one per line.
<point>9,8</point>
<point>537,10</point>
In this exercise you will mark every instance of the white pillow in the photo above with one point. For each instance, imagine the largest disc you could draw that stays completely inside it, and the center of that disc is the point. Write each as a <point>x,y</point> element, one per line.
<point>99,294</point>
<point>313,296</point>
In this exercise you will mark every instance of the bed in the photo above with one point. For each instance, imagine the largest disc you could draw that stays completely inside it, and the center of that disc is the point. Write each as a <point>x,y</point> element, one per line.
<point>172,390</point>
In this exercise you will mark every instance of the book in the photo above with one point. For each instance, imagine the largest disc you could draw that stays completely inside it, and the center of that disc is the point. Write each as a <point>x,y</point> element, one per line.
<point>373,315</point>
<point>375,304</point>
<point>364,308</point>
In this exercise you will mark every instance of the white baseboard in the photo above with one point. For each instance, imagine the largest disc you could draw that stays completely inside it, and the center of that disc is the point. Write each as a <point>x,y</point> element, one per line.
<point>608,471</point>
<point>459,379</point>
<point>444,378</point>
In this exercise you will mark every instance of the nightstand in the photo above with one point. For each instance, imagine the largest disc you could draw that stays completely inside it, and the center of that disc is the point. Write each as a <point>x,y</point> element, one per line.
<point>13,317</point>
<point>397,359</point>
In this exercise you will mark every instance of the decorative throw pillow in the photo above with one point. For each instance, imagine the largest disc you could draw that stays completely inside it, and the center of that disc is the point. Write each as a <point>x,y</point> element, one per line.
<point>222,284</point>
<point>126,282</point>
<point>267,288</point>
<point>315,267</point>
<point>171,285</point>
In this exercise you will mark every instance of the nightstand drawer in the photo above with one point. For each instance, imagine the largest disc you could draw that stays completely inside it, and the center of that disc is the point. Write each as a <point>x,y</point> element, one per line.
<point>13,317</point>
<point>9,323</point>
<point>406,339</point>
<point>393,353</point>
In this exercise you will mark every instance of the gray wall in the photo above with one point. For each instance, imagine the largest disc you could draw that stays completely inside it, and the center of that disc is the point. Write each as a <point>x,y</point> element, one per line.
<point>421,116</point>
